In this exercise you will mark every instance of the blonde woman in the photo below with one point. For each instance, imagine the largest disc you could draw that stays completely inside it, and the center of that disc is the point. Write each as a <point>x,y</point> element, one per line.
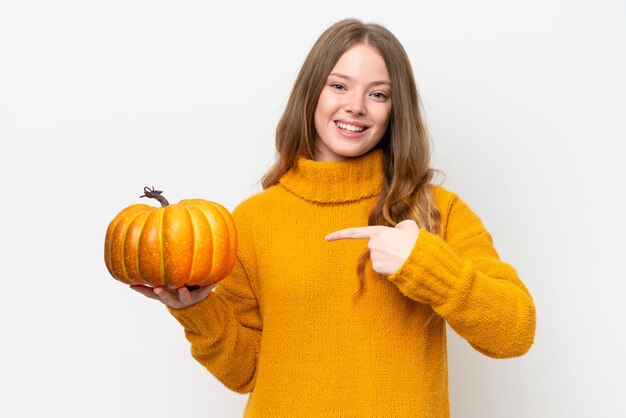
<point>350,261</point>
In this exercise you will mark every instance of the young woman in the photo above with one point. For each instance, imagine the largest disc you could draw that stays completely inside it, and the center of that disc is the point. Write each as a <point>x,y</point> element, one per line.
<point>350,261</point>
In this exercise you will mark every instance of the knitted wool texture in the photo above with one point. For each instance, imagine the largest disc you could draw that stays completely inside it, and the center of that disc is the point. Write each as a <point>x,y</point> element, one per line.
<point>286,324</point>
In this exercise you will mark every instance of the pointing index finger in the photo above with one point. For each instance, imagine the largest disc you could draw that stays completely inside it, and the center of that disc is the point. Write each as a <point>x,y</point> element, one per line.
<point>352,233</point>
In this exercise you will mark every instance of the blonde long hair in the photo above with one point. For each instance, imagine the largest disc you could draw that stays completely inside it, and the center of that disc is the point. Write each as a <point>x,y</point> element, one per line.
<point>406,145</point>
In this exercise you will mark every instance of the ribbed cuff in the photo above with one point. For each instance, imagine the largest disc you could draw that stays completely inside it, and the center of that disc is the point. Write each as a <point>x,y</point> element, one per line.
<point>202,317</point>
<point>430,272</point>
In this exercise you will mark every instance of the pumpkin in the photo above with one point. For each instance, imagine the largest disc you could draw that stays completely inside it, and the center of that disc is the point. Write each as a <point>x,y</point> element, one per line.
<point>192,243</point>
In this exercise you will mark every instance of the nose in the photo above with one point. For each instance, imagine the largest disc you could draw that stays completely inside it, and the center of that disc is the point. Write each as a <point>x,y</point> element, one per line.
<point>355,104</point>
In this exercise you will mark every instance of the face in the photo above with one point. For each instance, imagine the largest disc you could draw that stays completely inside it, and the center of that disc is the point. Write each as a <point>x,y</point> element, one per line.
<point>354,107</point>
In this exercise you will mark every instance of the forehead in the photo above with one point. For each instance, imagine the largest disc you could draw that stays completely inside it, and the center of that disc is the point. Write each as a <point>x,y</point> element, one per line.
<point>362,62</point>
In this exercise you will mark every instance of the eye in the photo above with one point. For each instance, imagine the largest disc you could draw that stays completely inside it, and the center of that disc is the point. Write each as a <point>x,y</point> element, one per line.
<point>338,86</point>
<point>379,95</point>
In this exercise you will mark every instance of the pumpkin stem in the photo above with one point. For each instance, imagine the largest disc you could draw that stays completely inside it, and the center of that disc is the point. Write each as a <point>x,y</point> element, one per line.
<point>155,194</point>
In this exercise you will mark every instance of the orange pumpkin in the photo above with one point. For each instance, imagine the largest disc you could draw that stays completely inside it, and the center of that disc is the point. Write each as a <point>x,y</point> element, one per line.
<point>190,243</point>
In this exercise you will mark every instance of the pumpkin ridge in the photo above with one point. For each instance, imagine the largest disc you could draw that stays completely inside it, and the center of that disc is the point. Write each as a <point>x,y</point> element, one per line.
<point>108,250</point>
<point>126,276</point>
<point>203,244</point>
<point>209,220</point>
<point>143,226</point>
<point>193,231</point>
<point>117,253</point>
<point>149,249</point>
<point>109,246</point>
<point>162,261</point>
<point>232,234</point>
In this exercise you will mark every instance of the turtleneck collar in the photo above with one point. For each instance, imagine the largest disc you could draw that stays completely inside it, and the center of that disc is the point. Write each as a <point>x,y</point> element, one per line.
<point>336,181</point>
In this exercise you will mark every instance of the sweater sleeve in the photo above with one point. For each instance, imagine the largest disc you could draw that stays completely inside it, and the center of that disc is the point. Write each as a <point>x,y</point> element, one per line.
<point>464,280</point>
<point>225,328</point>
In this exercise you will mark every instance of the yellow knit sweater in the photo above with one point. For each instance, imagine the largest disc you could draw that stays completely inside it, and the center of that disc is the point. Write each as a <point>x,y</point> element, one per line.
<point>286,326</point>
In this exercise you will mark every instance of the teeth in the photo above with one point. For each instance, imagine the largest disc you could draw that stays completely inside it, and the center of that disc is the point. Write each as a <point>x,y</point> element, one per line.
<point>350,128</point>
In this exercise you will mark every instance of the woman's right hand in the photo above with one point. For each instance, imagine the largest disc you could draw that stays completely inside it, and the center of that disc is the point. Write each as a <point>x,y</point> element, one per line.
<point>179,298</point>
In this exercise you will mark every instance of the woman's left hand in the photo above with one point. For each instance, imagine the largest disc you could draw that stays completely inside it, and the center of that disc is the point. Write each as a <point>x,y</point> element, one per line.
<point>389,247</point>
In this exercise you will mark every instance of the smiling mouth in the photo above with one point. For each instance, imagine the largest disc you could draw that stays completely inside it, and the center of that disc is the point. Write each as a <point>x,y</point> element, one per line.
<point>350,128</point>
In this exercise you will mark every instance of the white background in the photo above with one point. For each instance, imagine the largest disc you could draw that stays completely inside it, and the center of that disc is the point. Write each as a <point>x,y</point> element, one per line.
<point>525,102</point>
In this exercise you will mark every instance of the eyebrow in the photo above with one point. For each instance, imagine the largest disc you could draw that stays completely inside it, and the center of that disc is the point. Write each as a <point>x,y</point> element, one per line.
<point>373,83</point>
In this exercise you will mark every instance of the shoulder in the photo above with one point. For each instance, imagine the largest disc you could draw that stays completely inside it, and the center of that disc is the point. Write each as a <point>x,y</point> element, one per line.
<point>447,201</point>
<point>257,205</point>
<point>456,216</point>
<point>443,198</point>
